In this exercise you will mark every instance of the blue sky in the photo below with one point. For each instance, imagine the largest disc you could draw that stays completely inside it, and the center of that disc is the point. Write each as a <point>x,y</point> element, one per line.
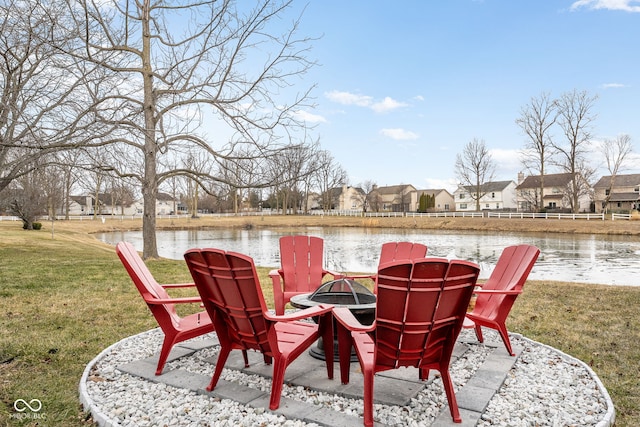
<point>403,86</point>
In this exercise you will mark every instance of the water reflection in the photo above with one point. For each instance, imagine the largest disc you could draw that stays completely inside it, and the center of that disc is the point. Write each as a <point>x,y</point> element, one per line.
<point>611,260</point>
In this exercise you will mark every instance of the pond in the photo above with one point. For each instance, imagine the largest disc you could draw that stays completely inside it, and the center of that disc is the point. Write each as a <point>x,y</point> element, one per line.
<point>611,260</point>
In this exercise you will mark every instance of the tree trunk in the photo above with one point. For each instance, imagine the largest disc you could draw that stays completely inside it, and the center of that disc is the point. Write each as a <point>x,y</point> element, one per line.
<point>150,180</point>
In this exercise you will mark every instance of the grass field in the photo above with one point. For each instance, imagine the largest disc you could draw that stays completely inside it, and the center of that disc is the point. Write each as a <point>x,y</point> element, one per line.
<point>64,297</point>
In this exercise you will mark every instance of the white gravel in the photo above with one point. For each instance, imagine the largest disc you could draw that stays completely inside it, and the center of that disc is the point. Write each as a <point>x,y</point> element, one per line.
<point>545,388</point>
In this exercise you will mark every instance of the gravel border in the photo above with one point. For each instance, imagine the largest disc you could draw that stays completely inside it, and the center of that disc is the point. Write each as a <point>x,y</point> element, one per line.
<point>545,387</point>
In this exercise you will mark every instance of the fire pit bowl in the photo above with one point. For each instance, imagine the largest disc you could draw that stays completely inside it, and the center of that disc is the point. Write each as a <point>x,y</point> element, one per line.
<point>342,293</point>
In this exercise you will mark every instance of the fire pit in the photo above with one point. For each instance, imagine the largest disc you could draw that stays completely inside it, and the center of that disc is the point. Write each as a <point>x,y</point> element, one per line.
<point>343,293</point>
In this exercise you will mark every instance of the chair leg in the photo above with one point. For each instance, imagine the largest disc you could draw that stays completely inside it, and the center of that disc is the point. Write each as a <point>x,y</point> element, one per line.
<point>327,340</point>
<point>345,344</point>
<point>222,359</point>
<point>246,358</point>
<point>167,345</point>
<point>478,330</point>
<point>368,397</point>
<point>504,334</point>
<point>277,381</point>
<point>451,396</point>
<point>424,374</point>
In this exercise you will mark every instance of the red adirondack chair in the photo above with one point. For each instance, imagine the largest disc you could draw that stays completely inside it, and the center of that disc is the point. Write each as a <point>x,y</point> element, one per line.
<point>394,251</point>
<point>420,310</point>
<point>176,329</point>
<point>301,272</point>
<point>497,295</point>
<point>231,293</point>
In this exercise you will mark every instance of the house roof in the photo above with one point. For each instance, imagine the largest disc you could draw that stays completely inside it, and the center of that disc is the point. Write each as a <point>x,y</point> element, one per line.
<point>550,180</point>
<point>337,191</point>
<point>619,181</point>
<point>434,192</point>
<point>81,200</point>
<point>488,186</point>
<point>395,189</point>
<point>624,197</point>
<point>103,198</point>
<point>164,197</point>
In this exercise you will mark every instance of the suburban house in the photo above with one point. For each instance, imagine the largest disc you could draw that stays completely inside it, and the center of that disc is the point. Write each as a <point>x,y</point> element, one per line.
<point>395,198</point>
<point>617,193</point>
<point>85,205</point>
<point>79,205</point>
<point>345,198</point>
<point>348,198</point>
<point>555,194</point>
<point>496,195</point>
<point>444,201</point>
<point>166,204</point>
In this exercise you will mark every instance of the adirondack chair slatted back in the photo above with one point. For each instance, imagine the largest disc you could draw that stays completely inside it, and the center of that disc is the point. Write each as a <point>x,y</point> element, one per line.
<point>301,258</point>
<point>497,296</point>
<point>509,274</point>
<point>148,287</point>
<point>175,328</point>
<point>398,251</point>
<point>227,283</point>
<point>231,292</point>
<point>420,310</point>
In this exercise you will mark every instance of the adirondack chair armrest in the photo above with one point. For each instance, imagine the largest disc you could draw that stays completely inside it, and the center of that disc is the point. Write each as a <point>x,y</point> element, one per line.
<point>184,300</point>
<point>178,285</point>
<point>346,318</point>
<point>497,291</point>
<point>276,273</point>
<point>276,276</point>
<point>371,276</point>
<point>335,274</point>
<point>316,310</point>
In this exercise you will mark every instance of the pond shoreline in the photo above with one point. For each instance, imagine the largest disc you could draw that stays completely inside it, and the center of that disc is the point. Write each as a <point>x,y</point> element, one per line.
<point>581,226</point>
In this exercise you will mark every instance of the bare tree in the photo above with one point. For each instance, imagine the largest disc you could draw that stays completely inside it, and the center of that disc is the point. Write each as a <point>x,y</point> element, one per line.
<point>181,64</point>
<point>536,120</point>
<point>474,168</point>
<point>198,163</point>
<point>68,161</point>
<point>27,193</point>
<point>364,197</point>
<point>575,120</point>
<point>374,199</point>
<point>120,194</point>
<point>328,176</point>
<point>239,175</point>
<point>615,152</point>
<point>42,90</point>
<point>292,168</point>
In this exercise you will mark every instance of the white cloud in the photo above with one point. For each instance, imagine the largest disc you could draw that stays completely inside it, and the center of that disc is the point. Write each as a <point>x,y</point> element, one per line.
<point>449,184</point>
<point>347,98</point>
<point>399,134</point>
<point>309,117</point>
<point>507,163</point>
<point>387,104</point>
<point>625,5</point>
<point>612,85</point>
